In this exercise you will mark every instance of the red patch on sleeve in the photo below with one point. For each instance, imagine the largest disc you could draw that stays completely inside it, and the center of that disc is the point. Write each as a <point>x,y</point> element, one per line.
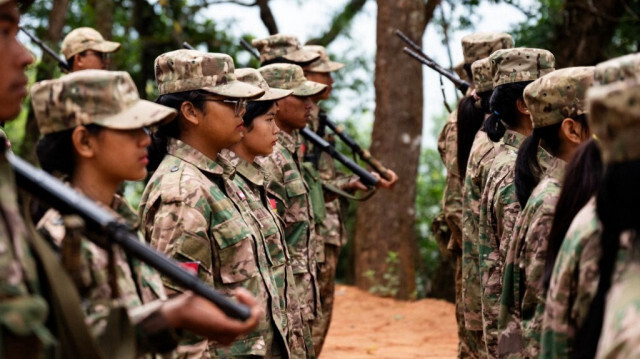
<point>273,204</point>
<point>303,149</point>
<point>191,267</point>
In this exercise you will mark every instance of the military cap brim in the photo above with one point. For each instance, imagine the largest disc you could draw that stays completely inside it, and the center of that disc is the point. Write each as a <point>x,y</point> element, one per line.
<point>325,67</point>
<point>235,89</point>
<point>308,88</point>
<point>274,95</point>
<point>105,47</point>
<point>301,56</point>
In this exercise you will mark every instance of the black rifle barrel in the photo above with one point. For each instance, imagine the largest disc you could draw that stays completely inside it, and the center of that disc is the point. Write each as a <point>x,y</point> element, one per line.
<point>247,46</point>
<point>416,52</point>
<point>61,62</point>
<point>365,177</point>
<point>66,200</point>
<point>186,45</point>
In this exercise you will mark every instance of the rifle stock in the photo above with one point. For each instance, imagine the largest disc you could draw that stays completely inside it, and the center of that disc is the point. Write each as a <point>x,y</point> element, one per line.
<point>50,190</point>
<point>64,65</point>
<point>365,177</point>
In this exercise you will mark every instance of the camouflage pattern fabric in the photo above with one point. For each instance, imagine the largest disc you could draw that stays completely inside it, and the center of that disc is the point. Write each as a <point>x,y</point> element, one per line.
<point>482,44</point>
<point>105,98</point>
<point>480,161</point>
<point>251,180</point>
<point>187,214</point>
<point>520,65</point>
<point>254,78</point>
<point>614,117</point>
<point>293,205</point>
<point>558,95</point>
<point>499,208</point>
<point>481,71</point>
<point>573,285</point>
<point>23,311</point>
<point>285,46</point>
<point>618,69</point>
<point>191,70</point>
<point>290,77</point>
<point>461,72</point>
<point>526,259</point>
<point>86,38</point>
<point>323,63</point>
<point>136,287</point>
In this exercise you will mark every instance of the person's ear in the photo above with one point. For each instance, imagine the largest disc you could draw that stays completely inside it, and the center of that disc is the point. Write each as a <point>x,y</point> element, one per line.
<point>190,113</point>
<point>521,106</point>
<point>83,142</point>
<point>572,131</point>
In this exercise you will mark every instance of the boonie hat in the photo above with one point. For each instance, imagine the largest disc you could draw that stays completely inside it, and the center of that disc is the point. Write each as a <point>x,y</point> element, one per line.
<point>190,70</point>
<point>290,77</point>
<point>323,63</point>
<point>253,77</point>
<point>482,79</point>
<point>106,98</point>
<point>618,69</point>
<point>520,64</point>
<point>461,72</point>
<point>285,46</point>
<point>86,38</point>
<point>482,44</point>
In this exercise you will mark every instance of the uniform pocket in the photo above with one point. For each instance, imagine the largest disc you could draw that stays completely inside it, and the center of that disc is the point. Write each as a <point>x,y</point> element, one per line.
<point>237,256</point>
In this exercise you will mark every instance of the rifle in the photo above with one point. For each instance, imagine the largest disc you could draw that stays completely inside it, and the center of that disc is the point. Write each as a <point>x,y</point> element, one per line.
<point>247,46</point>
<point>186,45</point>
<point>64,65</point>
<point>365,177</point>
<point>66,200</point>
<point>416,52</point>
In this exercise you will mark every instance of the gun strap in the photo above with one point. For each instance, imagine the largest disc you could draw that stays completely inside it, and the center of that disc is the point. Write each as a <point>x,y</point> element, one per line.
<point>346,195</point>
<point>73,333</point>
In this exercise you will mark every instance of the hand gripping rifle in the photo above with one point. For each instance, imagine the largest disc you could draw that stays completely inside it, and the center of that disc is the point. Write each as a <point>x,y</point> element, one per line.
<point>416,52</point>
<point>49,189</point>
<point>64,65</point>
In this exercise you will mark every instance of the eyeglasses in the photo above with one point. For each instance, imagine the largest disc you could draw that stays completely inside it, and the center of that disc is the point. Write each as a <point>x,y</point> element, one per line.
<point>238,105</point>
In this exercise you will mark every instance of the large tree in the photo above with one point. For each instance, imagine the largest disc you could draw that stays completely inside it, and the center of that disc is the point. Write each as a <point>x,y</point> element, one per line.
<point>385,241</point>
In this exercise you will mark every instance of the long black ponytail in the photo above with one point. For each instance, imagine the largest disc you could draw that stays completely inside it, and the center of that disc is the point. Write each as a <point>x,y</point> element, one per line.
<point>471,113</point>
<point>503,106</point>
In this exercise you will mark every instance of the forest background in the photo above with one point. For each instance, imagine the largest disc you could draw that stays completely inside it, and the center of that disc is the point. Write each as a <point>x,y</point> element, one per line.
<point>379,96</point>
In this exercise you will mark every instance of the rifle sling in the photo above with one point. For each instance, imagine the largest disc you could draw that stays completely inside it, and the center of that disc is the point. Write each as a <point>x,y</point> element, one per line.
<point>346,195</point>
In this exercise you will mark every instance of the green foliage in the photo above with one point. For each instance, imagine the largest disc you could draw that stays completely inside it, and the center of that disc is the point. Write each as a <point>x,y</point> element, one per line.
<point>390,278</point>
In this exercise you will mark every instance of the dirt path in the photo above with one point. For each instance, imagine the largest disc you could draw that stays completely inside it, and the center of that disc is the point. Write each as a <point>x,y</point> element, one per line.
<point>365,326</point>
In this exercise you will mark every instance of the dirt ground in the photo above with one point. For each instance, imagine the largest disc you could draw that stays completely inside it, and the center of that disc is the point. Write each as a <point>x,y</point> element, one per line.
<point>365,326</point>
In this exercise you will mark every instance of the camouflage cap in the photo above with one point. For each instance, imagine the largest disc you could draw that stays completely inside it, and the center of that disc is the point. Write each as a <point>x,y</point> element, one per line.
<point>520,64</point>
<point>481,71</point>
<point>290,77</point>
<point>253,77</point>
<point>86,38</point>
<point>461,72</point>
<point>614,117</point>
<point>482,44</point>
<point>558,95</point>
<point>323,63</point>
<point>285,46</point>
<point>106,98</point>
<point>190,70</point>
<point>618,69</point>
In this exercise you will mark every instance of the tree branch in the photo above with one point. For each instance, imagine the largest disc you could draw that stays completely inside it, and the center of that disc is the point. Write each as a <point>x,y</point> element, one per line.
<point>267,16</point>
<point>339,23</point>
<point>429,10</point>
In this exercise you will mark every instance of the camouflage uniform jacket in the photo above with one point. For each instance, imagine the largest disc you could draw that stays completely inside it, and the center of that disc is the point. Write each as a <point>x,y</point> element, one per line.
<point>523,292</point>
<point>187,214</point>
<point>293,205</point>
<point>498,210</point>
<point>137,287</point>
<point>452,196</point>
<point>250,181</point>
<point>573,284</point>
<point>23,311</point>
<point>620,337</point>
<point>480,161</point>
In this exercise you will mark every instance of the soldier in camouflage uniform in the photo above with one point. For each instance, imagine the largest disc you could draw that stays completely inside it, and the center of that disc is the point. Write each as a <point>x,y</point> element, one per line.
<point>110,283</point>
<point>85,49</point>
<point>186,208</point>
<point>556,99</point>
<point>287,187</point>
<point>476,49</point>
<point>498,205</point>
<point>575,276</point>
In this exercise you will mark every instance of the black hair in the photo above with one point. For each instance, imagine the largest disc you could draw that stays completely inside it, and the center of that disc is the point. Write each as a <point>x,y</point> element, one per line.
<point>71,61</point>
<point>159,137</point>
<point>503,107</point>
<point>470,118</point>
<point>282,60</point>
<point>255,109</point>
<point>56,153</point>
<point>617,208</point>
<point>528,171</point>
<point>581,181</point>
<point>467,69</point>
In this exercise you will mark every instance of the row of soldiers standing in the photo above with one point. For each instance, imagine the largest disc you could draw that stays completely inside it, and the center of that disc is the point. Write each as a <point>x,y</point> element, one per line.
<point>540,205</point>
<point>230,198</point>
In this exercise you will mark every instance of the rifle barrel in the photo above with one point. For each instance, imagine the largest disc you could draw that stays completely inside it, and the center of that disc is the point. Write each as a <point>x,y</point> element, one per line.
<point>67,200</point>
<point>247,46</point>
<point>366,177</point>
<point>61,62</point>
<point>186,45</point>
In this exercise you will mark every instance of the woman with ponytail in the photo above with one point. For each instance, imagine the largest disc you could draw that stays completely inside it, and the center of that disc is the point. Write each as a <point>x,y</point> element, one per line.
<point>509,124</point>
<point>558,113</point>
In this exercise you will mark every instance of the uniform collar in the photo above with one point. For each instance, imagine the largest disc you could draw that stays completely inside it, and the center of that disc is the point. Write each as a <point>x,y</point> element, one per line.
<point>253,172</point>
<point>289,141</point>
<point>513,139</point>
<point>189,154</point>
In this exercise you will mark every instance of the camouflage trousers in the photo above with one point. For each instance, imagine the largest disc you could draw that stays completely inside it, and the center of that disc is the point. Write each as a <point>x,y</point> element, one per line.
<point>307,296</point>
<point>327,284</point>
<point>470,342</point>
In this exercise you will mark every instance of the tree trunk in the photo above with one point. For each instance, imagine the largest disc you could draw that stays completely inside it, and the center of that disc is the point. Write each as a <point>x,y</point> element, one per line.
<point>45,70</point>
<point>585,30</point>
<point>385,223</point>
<point>104,10</point>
